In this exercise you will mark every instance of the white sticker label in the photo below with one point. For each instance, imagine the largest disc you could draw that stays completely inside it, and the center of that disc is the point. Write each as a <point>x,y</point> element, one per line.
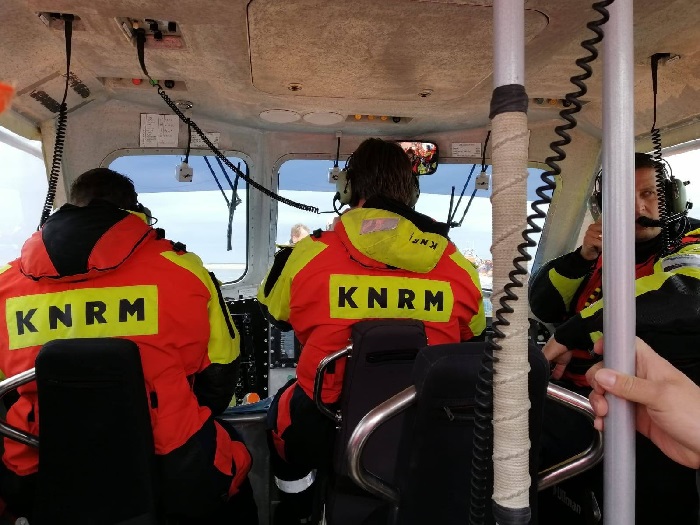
<point>680,261</point>
<point>378,225</point>
<point>466,149</point>
<point>197,141</point>
<point>159,131</point>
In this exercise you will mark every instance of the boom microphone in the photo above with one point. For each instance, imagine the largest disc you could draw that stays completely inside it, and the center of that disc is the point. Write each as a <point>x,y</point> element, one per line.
<point>649,223</point>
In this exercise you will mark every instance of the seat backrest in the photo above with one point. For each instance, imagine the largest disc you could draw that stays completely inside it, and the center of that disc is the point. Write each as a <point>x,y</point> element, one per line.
<point>379,366</point>
<point>434,470</point>
<point>96,452</point>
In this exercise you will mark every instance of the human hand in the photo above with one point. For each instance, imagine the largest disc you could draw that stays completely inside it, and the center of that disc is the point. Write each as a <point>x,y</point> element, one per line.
<point>593,242</point>
<point>559,354</point>
<point>668,402</point>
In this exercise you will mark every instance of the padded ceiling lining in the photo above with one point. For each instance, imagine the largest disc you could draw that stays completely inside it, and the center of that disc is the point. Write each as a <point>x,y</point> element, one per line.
<point>240,56</point>
<point>388,50</point>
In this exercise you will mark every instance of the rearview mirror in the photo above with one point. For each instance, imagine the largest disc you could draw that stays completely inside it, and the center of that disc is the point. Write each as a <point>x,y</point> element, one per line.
<point>423,155</point>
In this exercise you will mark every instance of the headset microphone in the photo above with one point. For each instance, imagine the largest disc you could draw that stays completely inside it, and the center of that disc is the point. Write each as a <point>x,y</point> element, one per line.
<point>649,223</point>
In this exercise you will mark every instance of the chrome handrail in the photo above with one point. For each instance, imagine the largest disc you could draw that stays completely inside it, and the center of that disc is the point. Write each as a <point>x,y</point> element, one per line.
<point>579,463</point>
<point>396,404</point>
<point>373,420</point>
<point>318,383</point>
<point>7,385</point>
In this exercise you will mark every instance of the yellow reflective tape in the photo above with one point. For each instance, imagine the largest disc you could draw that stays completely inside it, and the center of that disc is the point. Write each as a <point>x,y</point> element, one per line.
<point>566,287</point>
<point>190,262</point>
<point>588,311</point>
<point>477,324</point>
<point>277,301</point>
<point>651,283</point>
<point>124,311</point>
<point>595,336</point>
<point>221,348</point>
<point>361,296</point>
<point>4,268</point>
<point>466,265</point>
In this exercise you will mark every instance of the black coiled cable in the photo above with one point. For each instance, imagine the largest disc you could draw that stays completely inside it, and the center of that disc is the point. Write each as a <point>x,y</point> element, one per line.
<point>660,188</point>
<point>567,114</point>
<point>483,432</point>
<point>140,44</point>
<point>228,163</point>
<point>658,163</point>
<point>61,124</point>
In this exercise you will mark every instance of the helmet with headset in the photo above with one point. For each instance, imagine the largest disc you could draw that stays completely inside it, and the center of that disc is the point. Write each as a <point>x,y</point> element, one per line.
<point>675,198</point>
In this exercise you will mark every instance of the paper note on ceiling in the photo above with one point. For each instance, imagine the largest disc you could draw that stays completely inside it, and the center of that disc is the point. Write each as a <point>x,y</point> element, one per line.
<point>466,149</point>
<point>159,131</point>
<point>197,141</point>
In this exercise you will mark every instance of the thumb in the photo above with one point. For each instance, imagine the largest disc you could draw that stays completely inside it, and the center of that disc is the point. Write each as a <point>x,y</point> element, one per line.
<point>598,346</point>
<point>627,387</point>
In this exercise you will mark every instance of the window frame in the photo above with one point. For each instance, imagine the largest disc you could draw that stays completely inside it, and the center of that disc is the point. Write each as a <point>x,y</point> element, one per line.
<point>139,152</point>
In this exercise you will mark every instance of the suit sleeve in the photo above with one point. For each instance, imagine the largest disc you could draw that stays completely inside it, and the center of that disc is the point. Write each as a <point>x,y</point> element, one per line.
<point>215,381</point>
<point>553,288</point>
<point>215,385</point>
<point>274,294</point>
<point>473,323</point>
<point>668,301</point>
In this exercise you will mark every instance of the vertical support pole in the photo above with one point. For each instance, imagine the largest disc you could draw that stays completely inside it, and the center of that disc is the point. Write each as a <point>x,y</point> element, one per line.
<point>508,42</point>
<point>618,250</point>
<point>509,151</point>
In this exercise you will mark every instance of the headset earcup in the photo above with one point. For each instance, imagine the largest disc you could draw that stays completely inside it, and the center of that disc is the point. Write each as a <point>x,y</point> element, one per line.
<point>676,200</point>
<point>595,205</point>
<point>417,192</point>
<point>595,201</point>
<point>343,188</point>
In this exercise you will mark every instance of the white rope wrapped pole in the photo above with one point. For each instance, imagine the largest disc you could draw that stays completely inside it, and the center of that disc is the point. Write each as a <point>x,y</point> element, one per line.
<point>510,386</point>
<point>511,440</point>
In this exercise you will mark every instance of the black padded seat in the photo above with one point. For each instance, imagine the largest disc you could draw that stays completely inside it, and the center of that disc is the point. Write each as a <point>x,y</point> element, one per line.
<point>379,366</point>
<point>96,453</point>
<point>424,452</point>
<point>434,471</point>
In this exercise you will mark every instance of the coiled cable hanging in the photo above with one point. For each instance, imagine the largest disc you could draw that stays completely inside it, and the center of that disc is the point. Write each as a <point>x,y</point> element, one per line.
<point>61,124</point>
<point>483,432</point>
<point>140,45</point>
<point>666,244</point>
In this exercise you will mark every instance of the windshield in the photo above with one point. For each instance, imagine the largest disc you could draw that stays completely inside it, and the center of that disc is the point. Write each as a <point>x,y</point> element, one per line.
<point>195,213</point>
<point>23,188</point>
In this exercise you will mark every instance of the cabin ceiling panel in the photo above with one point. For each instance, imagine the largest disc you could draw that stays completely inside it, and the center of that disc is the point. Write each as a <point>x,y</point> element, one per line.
<point>389,50</point>
<point>659,27</point>
<point>350,57</point>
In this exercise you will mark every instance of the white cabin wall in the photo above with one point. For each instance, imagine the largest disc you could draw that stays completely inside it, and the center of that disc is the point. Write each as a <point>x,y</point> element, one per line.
<point>97,132</point>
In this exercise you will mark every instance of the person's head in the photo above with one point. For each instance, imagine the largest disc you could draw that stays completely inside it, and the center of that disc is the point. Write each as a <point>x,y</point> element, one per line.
<point>379,167</point>
<point>299,231</point>
<point>646,196</point>
<point>106,185</point>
